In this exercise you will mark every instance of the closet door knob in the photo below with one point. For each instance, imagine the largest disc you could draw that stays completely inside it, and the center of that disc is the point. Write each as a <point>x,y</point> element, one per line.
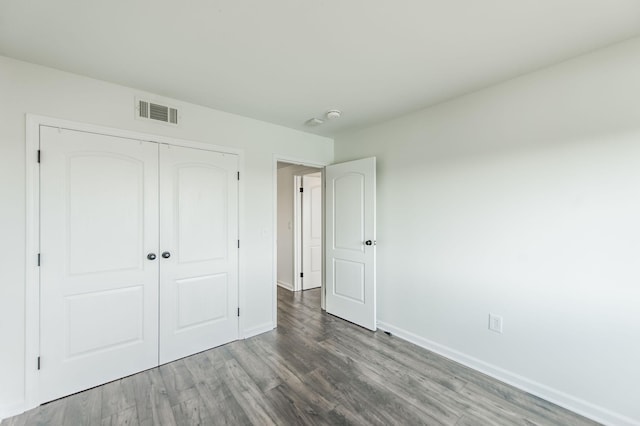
<point>151,256</point>
<point>166,255</point>
<point>368,242</point>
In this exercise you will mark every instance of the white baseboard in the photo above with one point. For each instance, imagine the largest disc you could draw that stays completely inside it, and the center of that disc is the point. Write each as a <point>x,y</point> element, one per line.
<point>11,410</point>
<point>288,286</point>
<point>254,331</point>
<point>311,288</point>
<point>557,397</point>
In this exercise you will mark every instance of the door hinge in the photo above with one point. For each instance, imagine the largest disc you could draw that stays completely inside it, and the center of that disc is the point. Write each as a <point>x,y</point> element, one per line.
<point>39,156</point>
<point>301,275</point>
<point>38,363</point>
<point>38,259</point>
<point>238,175</point>
<point>301,189</point>
<point>238,243</point>
<point>238,311</point>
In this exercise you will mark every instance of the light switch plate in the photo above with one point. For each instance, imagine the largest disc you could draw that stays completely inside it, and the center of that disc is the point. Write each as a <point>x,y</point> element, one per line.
<point>495,323</point>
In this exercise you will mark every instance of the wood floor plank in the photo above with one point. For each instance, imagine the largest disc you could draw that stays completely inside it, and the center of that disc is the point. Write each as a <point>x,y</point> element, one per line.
<point>313,369</point>
<point>178,381</point>
<point>152,399</point>
<point>220,404</point>
<point>84,408</point>
<point>353,406</point>
<point>254,366</point>
<point>250,397</point>
<point>127,417</point>
<point>293,410</point>
<point>191,412</point>
<point>439,401</point>
<point>116,398</point>
<point>48,414</point>
<point>520,405</point>
<point>277,358</point>
<point>19,420</point>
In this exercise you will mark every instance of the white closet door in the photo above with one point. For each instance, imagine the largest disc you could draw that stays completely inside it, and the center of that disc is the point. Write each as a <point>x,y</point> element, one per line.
<point>198,240</point>
<point>99,292</point>
<point>311,231</point>
<point>351,239</point>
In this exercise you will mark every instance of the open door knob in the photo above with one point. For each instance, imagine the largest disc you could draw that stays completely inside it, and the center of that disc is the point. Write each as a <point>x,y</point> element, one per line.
<point>151,256</point>
<point>368,242</point>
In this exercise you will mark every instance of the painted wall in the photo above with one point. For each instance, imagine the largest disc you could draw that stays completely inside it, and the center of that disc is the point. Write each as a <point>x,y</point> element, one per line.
<point>522,200</point>
<point>285,226</point>
<point>26,88</point>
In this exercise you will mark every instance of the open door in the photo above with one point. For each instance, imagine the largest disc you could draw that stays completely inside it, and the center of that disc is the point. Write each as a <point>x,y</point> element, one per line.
<point>350,241</point>
<point>311,231</point>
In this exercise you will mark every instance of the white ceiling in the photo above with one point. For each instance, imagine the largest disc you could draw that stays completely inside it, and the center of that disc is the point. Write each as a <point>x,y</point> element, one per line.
<point>285,61</point>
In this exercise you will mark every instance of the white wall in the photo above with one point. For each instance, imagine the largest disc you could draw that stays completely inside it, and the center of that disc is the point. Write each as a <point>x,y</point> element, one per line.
<point>26,88</point>
<point>285,226</point>
<point>523,200</point>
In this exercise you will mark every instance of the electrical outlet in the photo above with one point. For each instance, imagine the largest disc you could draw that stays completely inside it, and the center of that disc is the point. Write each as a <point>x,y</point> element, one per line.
<point>495,323</point>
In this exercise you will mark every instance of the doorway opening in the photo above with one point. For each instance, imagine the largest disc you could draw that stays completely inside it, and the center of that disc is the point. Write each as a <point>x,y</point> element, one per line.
<point>347,239</point>
<point>299,228</point>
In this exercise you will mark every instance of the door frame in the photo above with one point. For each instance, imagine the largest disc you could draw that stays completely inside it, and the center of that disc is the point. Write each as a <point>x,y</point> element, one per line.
<point>299,162</point>
<point>32,236</point>
<point>297,232</point>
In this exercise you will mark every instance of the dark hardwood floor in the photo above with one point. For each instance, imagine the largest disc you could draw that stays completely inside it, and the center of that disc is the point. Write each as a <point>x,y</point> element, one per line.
<point>314,369</point>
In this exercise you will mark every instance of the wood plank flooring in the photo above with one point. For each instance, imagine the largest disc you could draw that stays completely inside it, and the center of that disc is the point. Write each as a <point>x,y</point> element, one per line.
<point>314,369</point>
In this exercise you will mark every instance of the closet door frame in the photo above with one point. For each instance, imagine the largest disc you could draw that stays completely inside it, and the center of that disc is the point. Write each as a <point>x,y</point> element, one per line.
<point>32,243</point>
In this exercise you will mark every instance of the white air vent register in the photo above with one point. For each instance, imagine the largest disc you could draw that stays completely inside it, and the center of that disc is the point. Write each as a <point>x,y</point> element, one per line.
<point>147,110</point>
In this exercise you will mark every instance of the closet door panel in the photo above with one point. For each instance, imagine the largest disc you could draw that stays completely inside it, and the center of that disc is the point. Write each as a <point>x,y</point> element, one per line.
<point>99,292</point>
<point>198,239</point>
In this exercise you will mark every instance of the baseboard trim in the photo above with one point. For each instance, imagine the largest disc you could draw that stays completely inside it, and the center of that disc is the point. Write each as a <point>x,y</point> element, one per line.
<point>11,410</point>
<point>288,286</point>
<point>254,331</point>
<point>577,405</point>
<point>311,288</point>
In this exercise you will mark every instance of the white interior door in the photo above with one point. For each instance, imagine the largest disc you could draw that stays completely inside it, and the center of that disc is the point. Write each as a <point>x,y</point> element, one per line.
<point>350,240</point>
<point>99,292</point>
<point>199,250</point>
<point>311,231</point>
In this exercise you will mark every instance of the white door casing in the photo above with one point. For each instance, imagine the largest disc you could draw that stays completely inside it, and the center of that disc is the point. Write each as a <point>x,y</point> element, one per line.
<point>199,234</point>
<point>350,241</point>
<point>99,292</point>
<point>311,231</point>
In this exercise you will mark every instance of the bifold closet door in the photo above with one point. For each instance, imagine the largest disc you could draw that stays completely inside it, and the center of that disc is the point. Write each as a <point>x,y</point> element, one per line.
<point>98,288</point>
<point>199,250</point>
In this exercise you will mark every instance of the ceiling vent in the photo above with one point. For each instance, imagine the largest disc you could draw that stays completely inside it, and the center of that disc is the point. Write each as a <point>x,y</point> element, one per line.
<point>147,110</point>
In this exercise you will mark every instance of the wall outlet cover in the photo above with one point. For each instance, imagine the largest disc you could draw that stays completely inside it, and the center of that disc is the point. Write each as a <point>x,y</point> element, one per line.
<point>495,323</point>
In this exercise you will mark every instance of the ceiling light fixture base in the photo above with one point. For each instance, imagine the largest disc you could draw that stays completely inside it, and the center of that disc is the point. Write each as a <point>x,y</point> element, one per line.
<point>333,114</point>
